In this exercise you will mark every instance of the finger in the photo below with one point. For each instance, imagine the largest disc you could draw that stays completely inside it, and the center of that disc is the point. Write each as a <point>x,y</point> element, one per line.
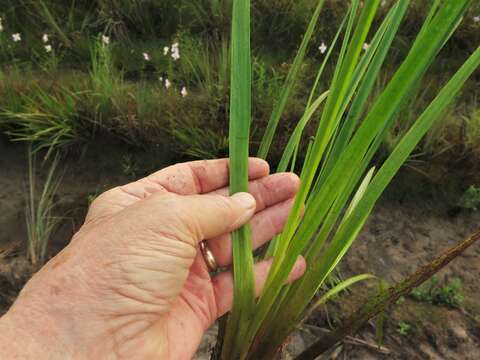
<point>265,225</point>
<point>271,190</point>
<point>195,177</point>
<point>223,283</point>
<point>190,218</point>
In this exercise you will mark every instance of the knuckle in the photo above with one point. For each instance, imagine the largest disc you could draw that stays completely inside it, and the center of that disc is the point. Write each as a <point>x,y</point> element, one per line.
<point>226,206</point>
<point>170,203</point>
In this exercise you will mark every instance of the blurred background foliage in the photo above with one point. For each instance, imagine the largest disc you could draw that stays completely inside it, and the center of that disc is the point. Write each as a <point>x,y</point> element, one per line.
<point>84,70</point>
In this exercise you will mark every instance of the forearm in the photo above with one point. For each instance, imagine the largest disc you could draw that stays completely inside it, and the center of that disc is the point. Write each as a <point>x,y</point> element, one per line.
<point>38,325</point>
<point>28,335</point>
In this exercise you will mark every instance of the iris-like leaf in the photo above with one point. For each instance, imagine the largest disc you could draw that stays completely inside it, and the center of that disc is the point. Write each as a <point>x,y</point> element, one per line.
<point>336,200</point>
<point>240,118</point>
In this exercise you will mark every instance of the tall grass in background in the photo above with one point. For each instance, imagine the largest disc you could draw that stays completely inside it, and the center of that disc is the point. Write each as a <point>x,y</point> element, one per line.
<point>338,190</point>
<point>106,81</point>
<point>46,118</point>
<point>200,27</point>
<point>38,212</point>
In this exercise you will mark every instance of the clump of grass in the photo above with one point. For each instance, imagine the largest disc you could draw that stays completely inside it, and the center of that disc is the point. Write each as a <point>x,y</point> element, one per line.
<point>49,119</point>
<point>471,198</point>
<point>129,165</point>
<point>337,191</point>
<point>434,292</point>
<point>198,142</point>
<point>404,328</point>
<point>41,222</point>
<point>106,82</point>
<point>205,64</point>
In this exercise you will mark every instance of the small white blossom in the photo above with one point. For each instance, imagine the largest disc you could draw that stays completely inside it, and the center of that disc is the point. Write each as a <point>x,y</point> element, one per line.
<point>146,56</point>
<point>476,19</point>
<point>365,46</point>
<point>184,92</point>
<point>323,48</point>
<point>48,48</point>
<point>1,25</point>
<point>45,38</point>
<point>175,51</point>
<point>17,37</point>
<point>160,78</point>
<point>175,55</point>
<point>166,49</point>
<point>106,39</point>
<point>168,84</point>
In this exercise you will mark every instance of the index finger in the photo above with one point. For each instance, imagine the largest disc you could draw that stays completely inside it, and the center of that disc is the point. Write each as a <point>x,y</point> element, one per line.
<point>203,176</point>
<point>192,178</point>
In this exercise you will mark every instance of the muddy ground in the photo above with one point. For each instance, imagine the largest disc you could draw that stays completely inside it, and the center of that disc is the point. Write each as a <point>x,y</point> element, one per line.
<point>415,221</point>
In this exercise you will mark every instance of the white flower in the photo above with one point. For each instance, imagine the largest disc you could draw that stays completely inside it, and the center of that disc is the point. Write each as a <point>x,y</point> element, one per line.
<point>322,48</point>
<point>45,38</point>
<point>184,92</point>
<point>166,49</point>
<point>17,37</point>
<point>175,55</point>
<point>160,78</point>
<point>175,51</point>
<point>168,84</point>
<point>476,19</point>
<point>48,48</point>
<point>146,56</point>
<point>105,39</point>
<point>365,46</point>
<point>1,25</point>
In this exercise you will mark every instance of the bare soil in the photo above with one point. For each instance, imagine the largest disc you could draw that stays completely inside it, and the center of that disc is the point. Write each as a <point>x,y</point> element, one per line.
<point>415,221</point>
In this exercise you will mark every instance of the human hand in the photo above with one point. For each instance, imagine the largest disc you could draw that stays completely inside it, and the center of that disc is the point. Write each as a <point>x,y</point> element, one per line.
<point>132,283</point>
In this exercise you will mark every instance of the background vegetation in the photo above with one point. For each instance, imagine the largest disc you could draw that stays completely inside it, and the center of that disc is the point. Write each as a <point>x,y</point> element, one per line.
<point>156,71</point>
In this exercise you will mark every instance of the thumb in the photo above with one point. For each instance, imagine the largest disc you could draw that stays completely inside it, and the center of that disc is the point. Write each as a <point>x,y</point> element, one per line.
<point>194,218</point>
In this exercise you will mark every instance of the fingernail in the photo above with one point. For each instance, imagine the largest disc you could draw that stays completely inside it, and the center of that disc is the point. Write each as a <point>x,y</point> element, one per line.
<point>246,200</point>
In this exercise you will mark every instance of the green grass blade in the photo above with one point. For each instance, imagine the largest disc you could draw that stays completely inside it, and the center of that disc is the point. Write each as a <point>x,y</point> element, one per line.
<point>327,58</point>
<point>240,118</point>
<point>288,86</point>
<point>384,110</point>
<point>360,192</point>
<point>355,221</point>
<point>330,294</point>
<point>327,123</point>
<point>282,264</point>
<point>419,59</point>
<point>383,44</point>
<point>43,9</point>
<point>326,127</point>
<point>296,136</point>
<point>349,230</point>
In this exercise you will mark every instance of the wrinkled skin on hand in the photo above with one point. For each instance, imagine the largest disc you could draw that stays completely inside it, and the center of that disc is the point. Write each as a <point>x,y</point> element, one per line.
<point>132,283</point>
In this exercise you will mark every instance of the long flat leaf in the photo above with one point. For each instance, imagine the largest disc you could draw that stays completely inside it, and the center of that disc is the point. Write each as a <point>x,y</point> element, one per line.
<point>240,118</point>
